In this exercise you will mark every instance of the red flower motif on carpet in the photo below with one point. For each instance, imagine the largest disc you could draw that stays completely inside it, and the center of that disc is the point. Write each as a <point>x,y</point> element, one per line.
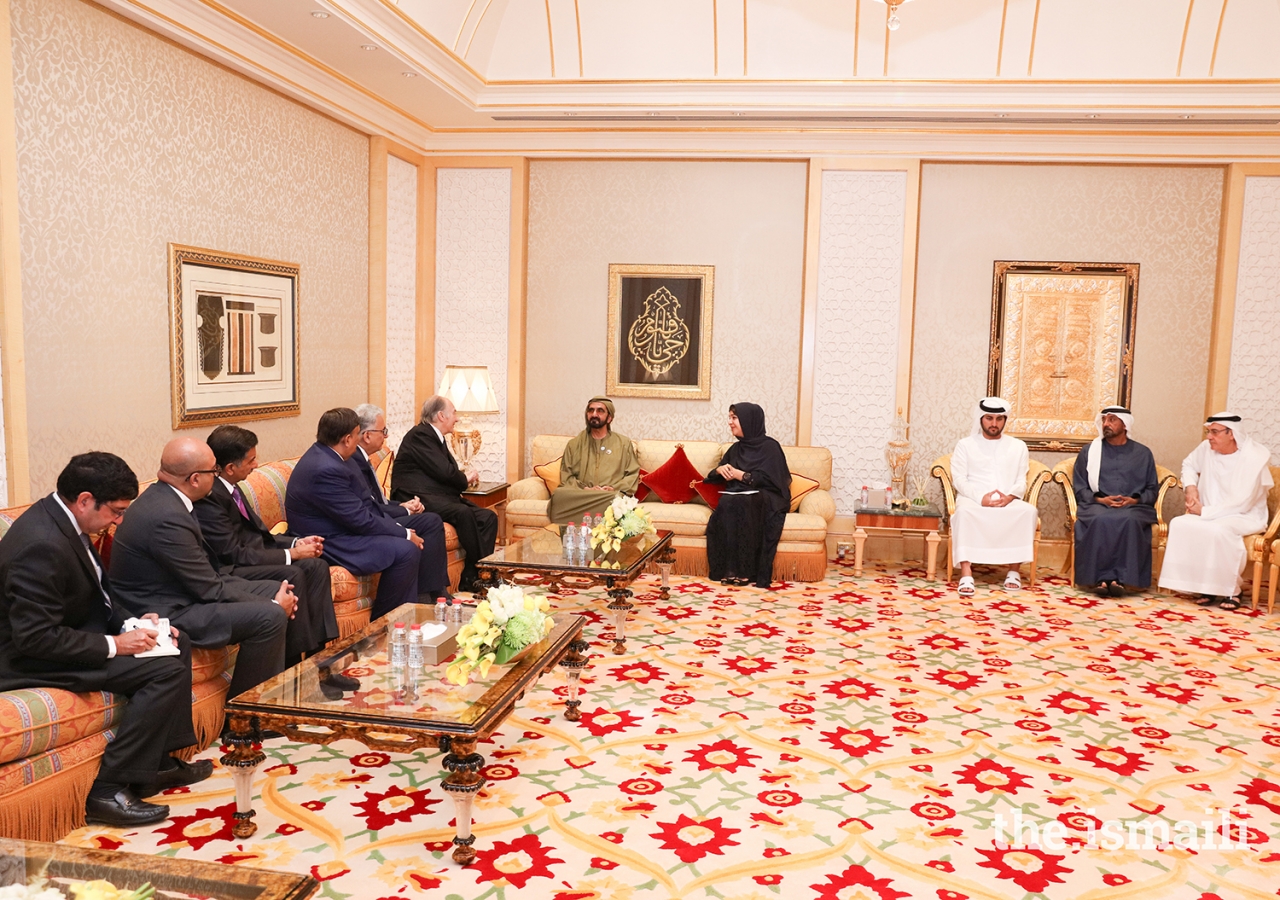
<point>201,827</point>
<point>602,864</point>
<point>692,839</point>
<point>723,754</point>
<point>852,689</point>
<point>760,630</point>
<point>934,811</point>
<point>1070,702</point>
<point>856,876</point>
<point>1006,606</point>
<point>957,679</point>
<point>943,642</point>
<point>396,805</point>
<point>676,613</point>
<point>1078,821</point>
<point>988,775</point>
<point>849,625</point>
<point>601,721</point>
<point>514,862</point>
<point>639,672</point>
<point>499,772</point>
<point>1261,792</point>
<point>370,760</point>
<point>1171,691</point>
<point>1128,651</point>
<point>855,743</point>
<point>1116,759</point>
<point>640,786</point>
<point>767,879</point>
<point>1214,645</point>
<point>330,870</point>
<point>1031,870</point>
<point>1030,635</point>
<point>750,665</point>
<point>779,798</point>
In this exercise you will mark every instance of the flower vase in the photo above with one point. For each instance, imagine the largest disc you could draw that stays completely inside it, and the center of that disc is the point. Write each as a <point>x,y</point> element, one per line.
<point>504,654</point>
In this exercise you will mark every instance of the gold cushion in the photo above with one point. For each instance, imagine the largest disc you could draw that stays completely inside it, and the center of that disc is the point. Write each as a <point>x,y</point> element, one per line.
<point>550,474</point>
<point>799,487</point>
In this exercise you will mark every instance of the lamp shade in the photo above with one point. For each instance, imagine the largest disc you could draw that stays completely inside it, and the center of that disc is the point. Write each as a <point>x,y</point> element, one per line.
<point>469,388</point>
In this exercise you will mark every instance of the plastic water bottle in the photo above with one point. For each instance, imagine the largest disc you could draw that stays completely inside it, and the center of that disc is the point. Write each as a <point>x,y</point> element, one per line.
<point>596,522</point>
<point>415,647</point>
<point>569,541</point>
<point>888,497</point>
<point>455,611</point>
<point>442,611</point>
<point>866,496</point>
<point>399,646</point>
<point>586,532</point>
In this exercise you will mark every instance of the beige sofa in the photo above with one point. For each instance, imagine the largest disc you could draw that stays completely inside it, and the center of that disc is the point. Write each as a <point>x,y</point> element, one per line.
<point>802,552</point>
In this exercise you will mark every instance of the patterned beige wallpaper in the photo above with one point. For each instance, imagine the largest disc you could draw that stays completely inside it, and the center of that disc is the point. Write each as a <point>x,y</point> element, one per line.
<point>1164,218</point>
<point>126,142</point>
<point>744,218</point>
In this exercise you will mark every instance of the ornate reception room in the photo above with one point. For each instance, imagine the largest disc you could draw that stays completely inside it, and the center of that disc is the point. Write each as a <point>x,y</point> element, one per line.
<point>985,294</point>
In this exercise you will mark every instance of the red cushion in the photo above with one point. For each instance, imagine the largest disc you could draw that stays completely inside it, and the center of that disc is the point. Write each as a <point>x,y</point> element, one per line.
<point>709,492</point>
<point>642,489</point>
<point>670,481</point>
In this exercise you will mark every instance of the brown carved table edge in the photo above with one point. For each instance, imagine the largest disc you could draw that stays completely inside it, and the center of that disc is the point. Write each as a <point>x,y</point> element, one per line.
<point>242,746</point>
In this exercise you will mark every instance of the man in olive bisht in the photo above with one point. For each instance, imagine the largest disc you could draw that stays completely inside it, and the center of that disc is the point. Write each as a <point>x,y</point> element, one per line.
<point>597,465</point>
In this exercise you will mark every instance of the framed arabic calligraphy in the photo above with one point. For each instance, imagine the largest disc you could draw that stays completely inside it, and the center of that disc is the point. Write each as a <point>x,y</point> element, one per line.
<point>1061,346</point>
<point>660,331</point>
<point>233,327</point>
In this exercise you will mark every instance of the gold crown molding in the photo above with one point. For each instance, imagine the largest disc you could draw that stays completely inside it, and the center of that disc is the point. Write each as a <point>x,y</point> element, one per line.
<point>1186,28</point>
<point>1217,36</point>
<point>551,43</point>
<point>462,26</point>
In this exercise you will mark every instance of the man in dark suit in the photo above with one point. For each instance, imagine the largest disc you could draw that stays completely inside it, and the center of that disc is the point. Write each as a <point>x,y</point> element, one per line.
<point>328,497</point>
<point>247,548</point>
<point>160,561</point>
<point>373,436</point>
<point>425,469</point>
<point>60,627</point>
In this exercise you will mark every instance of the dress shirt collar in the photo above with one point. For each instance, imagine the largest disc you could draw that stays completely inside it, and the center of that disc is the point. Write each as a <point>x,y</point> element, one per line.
<point>363,453</point>
<point>186,501</point>
<point>438,432</point>
<point>231,488</point>
<point>74,523</point>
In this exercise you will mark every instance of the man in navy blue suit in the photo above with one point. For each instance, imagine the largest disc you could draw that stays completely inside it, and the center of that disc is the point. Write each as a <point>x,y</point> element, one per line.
<point>328,497</point>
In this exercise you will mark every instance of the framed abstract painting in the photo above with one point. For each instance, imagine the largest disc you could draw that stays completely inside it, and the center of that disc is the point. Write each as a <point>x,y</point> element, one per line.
<point>233,326</point>
<point>660,331</point>
<point>1062,337</point>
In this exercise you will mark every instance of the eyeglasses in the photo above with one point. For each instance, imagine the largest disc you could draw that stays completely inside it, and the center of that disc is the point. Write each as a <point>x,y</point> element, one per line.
<point>1217,432</point>
<point>382,431</point>
<point>203,472</point>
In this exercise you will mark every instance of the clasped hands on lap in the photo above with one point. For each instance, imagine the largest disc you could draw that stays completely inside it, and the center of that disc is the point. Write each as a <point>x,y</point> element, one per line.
<point>997,499</point>
<point>1194,507</point>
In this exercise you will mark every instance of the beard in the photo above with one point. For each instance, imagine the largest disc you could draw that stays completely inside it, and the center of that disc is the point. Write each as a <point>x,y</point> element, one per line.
<point>1108,432</point>
<point>595,421</point>
<point>993,431</point>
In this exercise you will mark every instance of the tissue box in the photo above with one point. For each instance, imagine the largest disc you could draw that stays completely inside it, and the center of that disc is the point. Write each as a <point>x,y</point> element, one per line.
<point>439,648</point>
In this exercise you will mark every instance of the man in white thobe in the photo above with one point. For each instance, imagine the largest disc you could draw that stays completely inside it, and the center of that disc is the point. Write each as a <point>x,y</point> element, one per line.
<point>1226,479</point>
<point>992,523</point>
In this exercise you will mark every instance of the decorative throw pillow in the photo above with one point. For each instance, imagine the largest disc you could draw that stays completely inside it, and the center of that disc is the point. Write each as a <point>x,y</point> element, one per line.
<point>799,487</point>
<point>670,481</point>
<point>550,474</point>
<point>709,492</point>
<point>642,489</point>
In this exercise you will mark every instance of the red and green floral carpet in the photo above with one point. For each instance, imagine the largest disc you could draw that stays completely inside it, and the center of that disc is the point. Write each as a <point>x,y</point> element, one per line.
<point>854,739</point>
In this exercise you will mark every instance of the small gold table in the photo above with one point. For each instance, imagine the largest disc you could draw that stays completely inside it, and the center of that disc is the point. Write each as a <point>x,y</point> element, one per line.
<point>924,520</point>
<point>491,495</point>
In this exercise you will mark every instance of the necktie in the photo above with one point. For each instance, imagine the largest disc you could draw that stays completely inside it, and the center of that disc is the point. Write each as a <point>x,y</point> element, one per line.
<point>97,566</point>
<point>239,498</point>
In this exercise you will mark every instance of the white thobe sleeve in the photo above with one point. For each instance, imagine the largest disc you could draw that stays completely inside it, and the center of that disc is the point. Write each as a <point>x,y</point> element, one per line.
<point>1242,504</point>
<point>1193,464</point>
<point>1017,485</point>
<point>960,472</point>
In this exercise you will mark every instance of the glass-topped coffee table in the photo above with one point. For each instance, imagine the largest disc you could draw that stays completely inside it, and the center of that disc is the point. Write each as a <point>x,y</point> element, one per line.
<point>60,866</point>
<point>914,519</point>
<point>395,710</point>
<point>540,559</point>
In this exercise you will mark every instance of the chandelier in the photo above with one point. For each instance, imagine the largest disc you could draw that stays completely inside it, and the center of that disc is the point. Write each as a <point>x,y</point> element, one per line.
<point>893,23</point>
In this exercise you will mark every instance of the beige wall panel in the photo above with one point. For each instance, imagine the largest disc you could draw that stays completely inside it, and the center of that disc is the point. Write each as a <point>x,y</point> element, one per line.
<point>127,142</point>
<point>744,218</point>
<point>1165,219</point>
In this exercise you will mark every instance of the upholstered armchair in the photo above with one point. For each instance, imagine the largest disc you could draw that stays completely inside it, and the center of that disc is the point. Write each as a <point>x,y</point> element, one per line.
<point>1064,472</point>
<point>1038,475</point>
<point>1257,544</point>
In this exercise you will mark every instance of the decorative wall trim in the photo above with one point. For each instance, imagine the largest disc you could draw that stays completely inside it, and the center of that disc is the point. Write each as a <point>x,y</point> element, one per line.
<point>16,486</point>
<point>401,298</point>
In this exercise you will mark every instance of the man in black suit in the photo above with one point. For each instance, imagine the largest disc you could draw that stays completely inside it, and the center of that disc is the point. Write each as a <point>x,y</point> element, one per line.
<point>373,437</point>
<point>245,547</point>
<point>328,496</point>
<point>425,469</point>
<point>160,561</point>
<point>60,627</point>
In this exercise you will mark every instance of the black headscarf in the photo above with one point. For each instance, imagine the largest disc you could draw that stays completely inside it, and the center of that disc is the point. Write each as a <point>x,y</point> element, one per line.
<point>757,453</point>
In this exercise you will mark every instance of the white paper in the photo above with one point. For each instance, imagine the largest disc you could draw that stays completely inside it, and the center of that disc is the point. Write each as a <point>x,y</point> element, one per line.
<point>431,631</point>
<point>164,637</point>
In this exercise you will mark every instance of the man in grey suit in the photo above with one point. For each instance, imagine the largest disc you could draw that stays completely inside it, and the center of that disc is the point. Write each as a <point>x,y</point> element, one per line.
<point>160,562</point>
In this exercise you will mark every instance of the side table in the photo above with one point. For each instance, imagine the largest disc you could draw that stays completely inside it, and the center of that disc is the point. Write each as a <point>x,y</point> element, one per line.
<point>492,495</point>
<point>924,520</point>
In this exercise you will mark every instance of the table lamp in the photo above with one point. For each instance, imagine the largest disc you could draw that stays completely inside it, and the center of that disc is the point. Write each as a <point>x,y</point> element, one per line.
<point>471,392</point>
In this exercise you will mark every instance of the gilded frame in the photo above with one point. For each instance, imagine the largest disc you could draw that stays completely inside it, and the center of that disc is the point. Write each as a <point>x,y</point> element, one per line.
<point>233,329</point>
<point>1062,337</point>
<point>627,332</point>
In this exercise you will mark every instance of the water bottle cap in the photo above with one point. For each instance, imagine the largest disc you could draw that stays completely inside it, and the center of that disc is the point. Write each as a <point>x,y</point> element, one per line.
<point>439,601</point>
<point>415,627</point>
<point>400,626</point>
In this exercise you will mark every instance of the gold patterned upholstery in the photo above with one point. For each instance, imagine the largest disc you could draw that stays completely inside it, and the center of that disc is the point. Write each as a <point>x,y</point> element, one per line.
<point>1064,472</point>
<point>1038,475</point>
<point>1257,544</point>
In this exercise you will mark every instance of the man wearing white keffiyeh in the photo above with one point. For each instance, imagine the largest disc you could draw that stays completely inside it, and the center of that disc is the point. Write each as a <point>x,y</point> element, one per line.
<point>1115,486</point>
<point>1226,479</point>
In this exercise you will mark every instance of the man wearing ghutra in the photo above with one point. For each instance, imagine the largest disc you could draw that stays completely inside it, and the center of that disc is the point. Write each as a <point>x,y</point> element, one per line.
<point>1115,485</point>
<point>1226,479</point>
<point>597,465</point>
<point>992,523</point>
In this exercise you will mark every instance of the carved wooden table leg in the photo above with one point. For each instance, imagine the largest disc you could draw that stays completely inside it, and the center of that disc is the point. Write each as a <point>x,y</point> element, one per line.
<point>932,540</point>
<point>665,561</point>
<point>243,756</point>
<point>619,604</point>
<point>574,662</point>
<point>487,578</point>
<point>463,763</point>
<point>859,545</point>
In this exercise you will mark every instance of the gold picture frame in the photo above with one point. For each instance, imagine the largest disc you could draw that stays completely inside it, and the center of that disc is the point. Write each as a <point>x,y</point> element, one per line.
<point>1062,336</point>
<point>233,329</point>
<point>660,331</point>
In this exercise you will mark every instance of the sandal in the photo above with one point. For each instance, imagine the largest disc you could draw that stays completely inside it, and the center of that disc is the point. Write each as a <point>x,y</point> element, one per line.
<point>1013,581</point>
<point>966,587</point>
<point>1206,600</point>
<point>1229,603</point>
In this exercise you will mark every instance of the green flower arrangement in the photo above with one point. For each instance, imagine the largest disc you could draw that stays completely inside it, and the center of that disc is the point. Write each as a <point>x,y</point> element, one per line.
<point>623,519</point>
<point>504,623</point>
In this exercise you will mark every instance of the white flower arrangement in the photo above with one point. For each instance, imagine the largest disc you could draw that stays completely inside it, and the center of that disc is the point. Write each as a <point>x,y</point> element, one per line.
<point>623,519</point>
<point>505,622</point>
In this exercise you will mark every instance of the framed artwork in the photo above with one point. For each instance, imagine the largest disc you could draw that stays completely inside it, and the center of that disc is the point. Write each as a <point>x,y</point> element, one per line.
<point>1061,346</point>
<point>660,331</point>
<point>233,328</point>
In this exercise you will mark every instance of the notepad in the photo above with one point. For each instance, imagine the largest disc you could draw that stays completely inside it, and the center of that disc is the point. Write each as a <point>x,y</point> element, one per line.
<point>164,637</point>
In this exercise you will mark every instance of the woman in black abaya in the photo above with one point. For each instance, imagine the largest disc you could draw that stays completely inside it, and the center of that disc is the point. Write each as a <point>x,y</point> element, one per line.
<point>743,533</point>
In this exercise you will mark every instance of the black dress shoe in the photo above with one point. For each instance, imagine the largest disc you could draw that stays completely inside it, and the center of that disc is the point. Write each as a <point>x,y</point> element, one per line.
<point>469,585</point>
<point>123,809</point>
<point>341,682</point>
<point>183,773</point>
